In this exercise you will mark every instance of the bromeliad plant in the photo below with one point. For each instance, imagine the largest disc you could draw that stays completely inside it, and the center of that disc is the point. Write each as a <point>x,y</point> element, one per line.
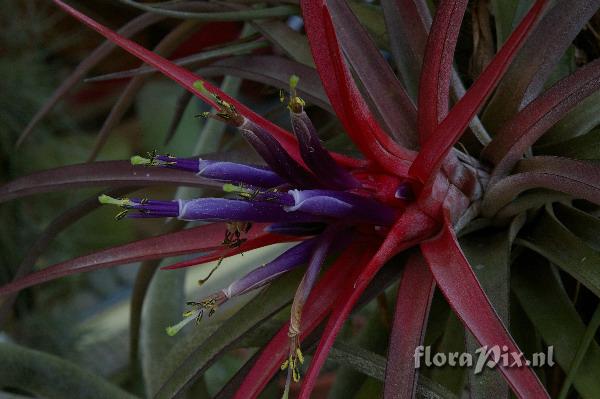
<point>412,189</point>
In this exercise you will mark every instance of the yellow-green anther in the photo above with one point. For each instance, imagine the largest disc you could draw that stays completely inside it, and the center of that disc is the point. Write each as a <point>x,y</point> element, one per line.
<point>108,200</point>
<point>235,189</point>
<point>188,317</point>
<point>284,365</point>
<point>138,160</point>
<point>294,79</point>
<point>296,103</point>
<point>199,85</point>
<point>300,355</point>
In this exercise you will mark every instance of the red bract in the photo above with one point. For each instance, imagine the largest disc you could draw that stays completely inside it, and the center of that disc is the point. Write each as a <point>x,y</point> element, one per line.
<point>450,187</point>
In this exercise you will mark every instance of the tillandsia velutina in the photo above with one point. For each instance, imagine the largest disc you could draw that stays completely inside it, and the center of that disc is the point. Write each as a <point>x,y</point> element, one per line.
<point>367,210</point>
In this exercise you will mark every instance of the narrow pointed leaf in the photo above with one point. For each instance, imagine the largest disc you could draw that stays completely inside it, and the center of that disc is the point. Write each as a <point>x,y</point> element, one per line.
<point>51,377</point>
<point>459,285</point>
<point>292,43</point>
<point>199,358</point>
<point>531,69</point>
<point>541,294</point>
<point>408,329</point>
<point>582,349</point>
<point>554,241</point>
<point>182,103</point>
<point>407,26</point>
<point>410,229</point>
<point>106,173</point>
<point>434,88</point>
<point>384,90</point>
<point>580,223</point>
<point>165,47</point>
<point>579,121</point>
<point>254,383</point>
<point>374,365</point>
<point>226,50</point>
<point>438,144</point>
<point>274,71</point>
<point>187,80</point>
<point>582,147</point>
<point>343,94</point>
<point>130,29</point>
<point>522,131</point>
<point>258,239</point>
<point>490,257</point>
<point>197,239</point>
<point>54,228</point>
<point>579,179</point>
<point>238,15</point>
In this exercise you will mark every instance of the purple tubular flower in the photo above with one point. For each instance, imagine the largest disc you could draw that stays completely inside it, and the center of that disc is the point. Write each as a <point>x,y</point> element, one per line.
<point>190,165</point>
<point>318,159</point>
<point>289,260</point>
<point>263,275</point>
<point>341,205</point>
<point>275,156</point>
<point>214,209</point>
<point>217,170</point>
<point>239,173</point>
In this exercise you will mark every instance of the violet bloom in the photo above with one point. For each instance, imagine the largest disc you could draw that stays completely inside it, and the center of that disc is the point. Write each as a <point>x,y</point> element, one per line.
<point>319,198</point>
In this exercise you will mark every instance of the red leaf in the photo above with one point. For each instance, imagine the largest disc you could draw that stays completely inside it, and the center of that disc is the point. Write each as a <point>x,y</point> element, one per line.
<point>197,239</point>
<point>579,179</point>
<point>412,310</point>
<point>187,79</point>
<point>434,88</point>
<point>106,173</point>
<point>412,227</point>
<point>439,143</point>
<point>458,283</point>
<point>343,94</point>
<point>256,238</point>
<point>522,131</point>
<point>385,92</point>
<point>317,307</point>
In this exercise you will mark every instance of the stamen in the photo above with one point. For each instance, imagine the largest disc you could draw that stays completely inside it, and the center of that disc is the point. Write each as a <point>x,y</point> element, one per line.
<point>146,208</point>
<point>318,256</point>
<point>226,112</point>
<point>210,304</point>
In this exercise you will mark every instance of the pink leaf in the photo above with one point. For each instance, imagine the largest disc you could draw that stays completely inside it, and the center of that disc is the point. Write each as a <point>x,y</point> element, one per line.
<point>458,283</point>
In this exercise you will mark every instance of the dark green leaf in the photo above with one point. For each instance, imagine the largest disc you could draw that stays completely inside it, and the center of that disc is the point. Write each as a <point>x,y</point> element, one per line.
<point>547,305</point>
<point>555,242</point>
<point>50,377</point>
